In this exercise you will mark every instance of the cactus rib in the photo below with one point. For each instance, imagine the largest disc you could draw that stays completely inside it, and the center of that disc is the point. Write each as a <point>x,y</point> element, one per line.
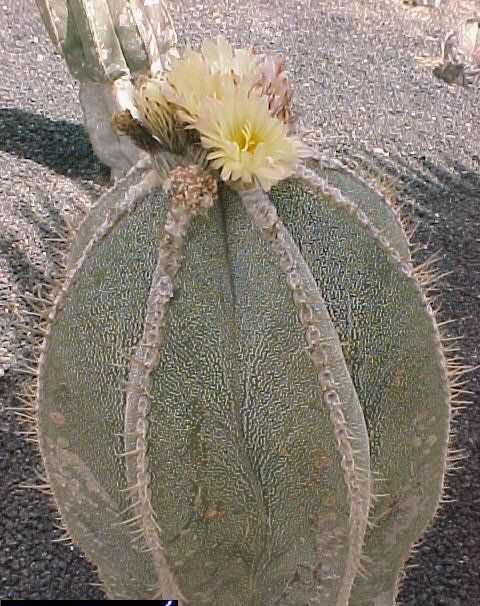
<point>185,204</point>
<point>345,416</point>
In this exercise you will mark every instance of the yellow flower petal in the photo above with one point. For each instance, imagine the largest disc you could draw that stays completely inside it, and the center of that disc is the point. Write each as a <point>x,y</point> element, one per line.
<point>246,64</point>
<point>190,82</point>
<point>219,55</point>
<point>221,58</point>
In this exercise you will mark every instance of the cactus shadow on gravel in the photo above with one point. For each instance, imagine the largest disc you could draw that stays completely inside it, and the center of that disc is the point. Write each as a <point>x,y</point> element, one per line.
<point>60,145</point>
<point>29,235</point>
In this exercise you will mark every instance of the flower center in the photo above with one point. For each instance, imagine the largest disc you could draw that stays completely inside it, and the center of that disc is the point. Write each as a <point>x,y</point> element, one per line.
<point>246,139</point>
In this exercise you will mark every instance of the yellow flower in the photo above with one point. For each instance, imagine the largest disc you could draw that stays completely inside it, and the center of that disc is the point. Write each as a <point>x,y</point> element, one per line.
<point>190,82</point>
<point>209,74</point>
<point>246,142</point>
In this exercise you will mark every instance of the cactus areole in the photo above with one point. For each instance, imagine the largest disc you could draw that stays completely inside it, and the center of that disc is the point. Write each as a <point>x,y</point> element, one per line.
<point>239,350</point>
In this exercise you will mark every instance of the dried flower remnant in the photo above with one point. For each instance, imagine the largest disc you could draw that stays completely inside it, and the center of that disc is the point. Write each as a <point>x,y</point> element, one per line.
<point>125,124</point>
<point>274,84</point>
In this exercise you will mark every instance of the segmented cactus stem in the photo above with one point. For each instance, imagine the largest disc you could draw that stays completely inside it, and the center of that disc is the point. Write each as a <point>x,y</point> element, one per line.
<point>157,32</point>
<point>357,479</point>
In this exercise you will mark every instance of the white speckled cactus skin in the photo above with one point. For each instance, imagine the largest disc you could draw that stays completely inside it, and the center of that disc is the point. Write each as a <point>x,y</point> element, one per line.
<point>230,453</point>
<point>242,397</point>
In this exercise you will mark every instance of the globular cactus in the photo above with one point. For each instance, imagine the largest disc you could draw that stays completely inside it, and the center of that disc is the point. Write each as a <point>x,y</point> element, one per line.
<point>242,396</point>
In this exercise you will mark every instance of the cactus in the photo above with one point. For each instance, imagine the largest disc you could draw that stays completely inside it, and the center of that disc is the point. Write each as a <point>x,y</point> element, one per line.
<point>461,55</point>
<point>104,43</point>
<point>242,396</point>
<point>240,405</point>
<point>426,3</point>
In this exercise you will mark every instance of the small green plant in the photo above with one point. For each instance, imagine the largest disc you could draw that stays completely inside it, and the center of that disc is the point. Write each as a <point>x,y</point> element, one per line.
<point>242,395</point>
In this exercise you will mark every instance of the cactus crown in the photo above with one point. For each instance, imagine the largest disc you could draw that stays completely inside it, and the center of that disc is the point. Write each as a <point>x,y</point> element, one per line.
<point>232,104</point>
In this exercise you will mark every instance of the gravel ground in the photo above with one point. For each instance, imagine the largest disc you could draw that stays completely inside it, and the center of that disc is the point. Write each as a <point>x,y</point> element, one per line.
<point>364,86</point>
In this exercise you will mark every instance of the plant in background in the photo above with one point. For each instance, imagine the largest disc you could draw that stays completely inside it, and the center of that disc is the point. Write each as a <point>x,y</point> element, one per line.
<point>242,394</point>
<point>461,55</point>
<point>427,3</point>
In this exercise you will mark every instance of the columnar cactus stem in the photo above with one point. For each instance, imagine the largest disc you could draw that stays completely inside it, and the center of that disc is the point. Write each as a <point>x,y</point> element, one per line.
<point>104,43</point>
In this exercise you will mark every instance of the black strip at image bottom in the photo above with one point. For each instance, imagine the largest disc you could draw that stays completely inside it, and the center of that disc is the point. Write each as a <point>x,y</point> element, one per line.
<point>83,603</point>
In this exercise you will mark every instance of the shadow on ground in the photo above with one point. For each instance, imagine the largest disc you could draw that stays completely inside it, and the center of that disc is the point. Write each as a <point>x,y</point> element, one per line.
<point>62,146</point>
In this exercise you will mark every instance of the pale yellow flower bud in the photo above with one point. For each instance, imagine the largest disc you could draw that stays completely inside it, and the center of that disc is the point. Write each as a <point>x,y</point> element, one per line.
<point>156,113</point>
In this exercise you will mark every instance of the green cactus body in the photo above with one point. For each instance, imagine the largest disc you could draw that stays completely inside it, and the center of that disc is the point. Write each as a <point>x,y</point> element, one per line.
<point>373,203</point>
<point>216,404</point>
